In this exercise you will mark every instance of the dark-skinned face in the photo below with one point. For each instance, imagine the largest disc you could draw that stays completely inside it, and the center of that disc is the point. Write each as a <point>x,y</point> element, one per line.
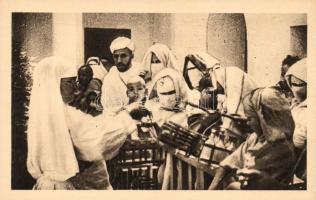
<point>123,59</point>
<point>85,75</point>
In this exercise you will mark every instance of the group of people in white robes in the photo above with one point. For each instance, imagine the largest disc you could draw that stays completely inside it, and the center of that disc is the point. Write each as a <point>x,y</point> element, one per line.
<point>60,135</point>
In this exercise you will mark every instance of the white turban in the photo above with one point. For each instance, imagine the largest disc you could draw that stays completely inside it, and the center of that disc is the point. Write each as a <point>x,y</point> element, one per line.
<point>299,70</point>
<point>121,43</point>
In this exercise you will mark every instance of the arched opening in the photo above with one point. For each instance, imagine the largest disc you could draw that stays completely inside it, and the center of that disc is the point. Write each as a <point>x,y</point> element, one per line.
<point>227,39</point>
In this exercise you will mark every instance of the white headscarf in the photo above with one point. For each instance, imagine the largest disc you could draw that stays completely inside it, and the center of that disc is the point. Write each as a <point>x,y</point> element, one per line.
<point>210,61</point>
<point>50,150</point>
<point>299,70</point>
<point>97,67</point>
<point>179,84</point>
<point>121,43</point>
<point>236,84</point>
<point>164,55</point>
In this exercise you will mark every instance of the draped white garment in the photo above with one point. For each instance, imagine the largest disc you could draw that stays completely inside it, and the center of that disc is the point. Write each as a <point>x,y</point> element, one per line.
<point>51,153</point>
<point>237,84</point>
<point>114,88</point>
<point>50,150</point>
<point>165,56</point>
<point>100,137</point>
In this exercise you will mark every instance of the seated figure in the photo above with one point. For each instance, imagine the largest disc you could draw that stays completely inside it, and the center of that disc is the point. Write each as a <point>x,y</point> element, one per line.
<point>137,95</point>
<point>84,91</point>
<point>167,95</point>
<point>266,158</point>
<point>297,81</point>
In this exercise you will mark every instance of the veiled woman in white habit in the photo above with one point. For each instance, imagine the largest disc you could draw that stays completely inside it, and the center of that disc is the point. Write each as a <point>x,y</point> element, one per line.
<point>231,82</point>
<point>58,135</point>
<point>166,102</point>
<point>157,58</point>
<point>167,96</point>
<point>297,80</point>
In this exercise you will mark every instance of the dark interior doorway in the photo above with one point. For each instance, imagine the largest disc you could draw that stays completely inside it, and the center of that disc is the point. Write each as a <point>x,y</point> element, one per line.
<point>97,41</point>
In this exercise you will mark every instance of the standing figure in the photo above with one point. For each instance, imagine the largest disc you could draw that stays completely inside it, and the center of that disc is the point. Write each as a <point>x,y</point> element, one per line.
<point>59,135</point>
<point>114,88</point>
<point>297,80</point>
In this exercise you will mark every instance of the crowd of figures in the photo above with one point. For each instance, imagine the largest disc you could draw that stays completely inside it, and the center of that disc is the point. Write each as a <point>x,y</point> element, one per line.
<point>81,118</point>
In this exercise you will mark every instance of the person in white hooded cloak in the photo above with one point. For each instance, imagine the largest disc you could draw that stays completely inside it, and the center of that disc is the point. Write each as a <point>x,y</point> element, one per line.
<point>157,58</point>
<point>58,135</point>
<point>231,83</point>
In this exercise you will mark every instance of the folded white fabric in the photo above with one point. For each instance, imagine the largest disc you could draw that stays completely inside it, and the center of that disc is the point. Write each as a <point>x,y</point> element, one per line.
<point>50,150</point>
<point>121,43</point>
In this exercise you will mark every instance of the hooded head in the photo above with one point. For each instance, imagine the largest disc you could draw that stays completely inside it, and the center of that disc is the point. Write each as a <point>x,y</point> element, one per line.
<point>287,63</point>
<point>198,69</point>
<point>158,57</point>
<point>169,89</point>
<point>297,79</point>
<point>269,114</point>
<point>99,70</point>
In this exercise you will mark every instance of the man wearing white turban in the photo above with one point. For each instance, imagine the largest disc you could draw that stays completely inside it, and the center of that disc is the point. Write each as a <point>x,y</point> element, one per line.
<point>114,84</point>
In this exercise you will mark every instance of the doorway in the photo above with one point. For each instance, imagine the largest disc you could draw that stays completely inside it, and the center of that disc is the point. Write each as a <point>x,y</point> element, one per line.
<point>97,41</point>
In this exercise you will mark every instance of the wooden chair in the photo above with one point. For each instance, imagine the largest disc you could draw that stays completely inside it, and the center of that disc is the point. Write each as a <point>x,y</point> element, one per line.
<point>136,166</point>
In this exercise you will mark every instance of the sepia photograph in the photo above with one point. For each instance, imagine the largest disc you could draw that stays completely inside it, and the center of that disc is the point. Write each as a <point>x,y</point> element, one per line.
<point>158,101</point>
